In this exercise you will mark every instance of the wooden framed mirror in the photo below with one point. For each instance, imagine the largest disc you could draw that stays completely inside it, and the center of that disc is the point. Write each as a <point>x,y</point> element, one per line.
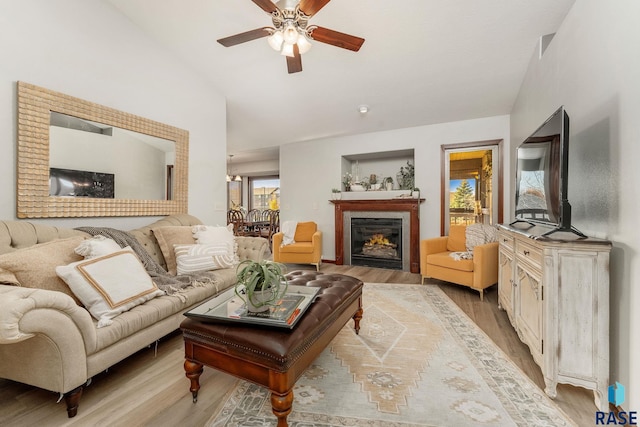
<point>45,115</point>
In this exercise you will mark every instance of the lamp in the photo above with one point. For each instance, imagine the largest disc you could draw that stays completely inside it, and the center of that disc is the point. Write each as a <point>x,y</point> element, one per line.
<point>290,29</point>
<point>229,176</point>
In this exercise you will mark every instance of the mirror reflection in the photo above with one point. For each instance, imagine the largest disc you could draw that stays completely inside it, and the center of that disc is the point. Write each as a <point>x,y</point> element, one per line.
<point>90,159</point>
<point>77,158</point>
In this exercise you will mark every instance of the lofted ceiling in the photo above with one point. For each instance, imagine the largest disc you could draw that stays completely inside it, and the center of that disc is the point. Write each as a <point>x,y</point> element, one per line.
<point>423,62</point>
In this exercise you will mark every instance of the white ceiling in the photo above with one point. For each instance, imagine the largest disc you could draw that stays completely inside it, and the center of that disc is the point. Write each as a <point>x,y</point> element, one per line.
<point>423,62</point>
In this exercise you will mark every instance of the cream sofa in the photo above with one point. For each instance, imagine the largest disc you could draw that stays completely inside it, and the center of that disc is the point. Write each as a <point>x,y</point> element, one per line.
<point>47,340</point>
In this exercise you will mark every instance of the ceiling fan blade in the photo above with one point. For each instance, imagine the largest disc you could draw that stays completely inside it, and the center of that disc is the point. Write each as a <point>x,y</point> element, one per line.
<point>266,5</point>
<point>294,63</point>
<point>311,7</point>
<point>245,37</point>
<point>335,38</point>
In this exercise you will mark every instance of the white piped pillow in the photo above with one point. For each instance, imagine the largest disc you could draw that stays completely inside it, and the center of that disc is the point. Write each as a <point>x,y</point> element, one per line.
<point>205,257</point>
<point>97,246</point>
<point>208,234</point>
<point>110,284</point>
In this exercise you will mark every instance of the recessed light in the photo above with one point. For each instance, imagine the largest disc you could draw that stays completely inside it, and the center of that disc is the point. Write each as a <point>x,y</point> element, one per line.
<point>363,109</point>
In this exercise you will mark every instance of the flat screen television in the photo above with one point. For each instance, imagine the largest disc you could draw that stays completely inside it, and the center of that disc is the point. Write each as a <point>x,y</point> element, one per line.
<point>541,176</point>
<point>77,183</point>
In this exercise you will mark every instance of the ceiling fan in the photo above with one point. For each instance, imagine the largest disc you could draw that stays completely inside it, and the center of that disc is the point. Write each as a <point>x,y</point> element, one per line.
<point>291,31</point>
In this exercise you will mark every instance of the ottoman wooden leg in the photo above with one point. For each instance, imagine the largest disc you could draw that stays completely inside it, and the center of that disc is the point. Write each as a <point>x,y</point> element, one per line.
<point>281,406</point>
<point>193,370</point>
<point>356,320</point>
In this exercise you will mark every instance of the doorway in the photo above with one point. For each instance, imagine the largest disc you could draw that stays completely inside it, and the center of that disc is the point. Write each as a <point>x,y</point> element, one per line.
<point>471,184</point>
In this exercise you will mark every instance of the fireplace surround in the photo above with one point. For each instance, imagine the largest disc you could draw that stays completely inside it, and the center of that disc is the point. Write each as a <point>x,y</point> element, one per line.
<point>406,209</point>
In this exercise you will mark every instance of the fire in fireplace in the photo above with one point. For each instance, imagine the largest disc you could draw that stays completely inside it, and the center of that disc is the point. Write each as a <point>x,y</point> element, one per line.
<point>376,242</point>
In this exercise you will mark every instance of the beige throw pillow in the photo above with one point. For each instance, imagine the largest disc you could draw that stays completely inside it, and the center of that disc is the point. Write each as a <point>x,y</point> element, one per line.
<point>110,284</point>
<point>35,266</point>
<point>169,236</point>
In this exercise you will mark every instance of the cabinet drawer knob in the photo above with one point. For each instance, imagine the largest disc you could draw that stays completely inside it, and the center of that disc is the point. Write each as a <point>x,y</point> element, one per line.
<point>526,253</point>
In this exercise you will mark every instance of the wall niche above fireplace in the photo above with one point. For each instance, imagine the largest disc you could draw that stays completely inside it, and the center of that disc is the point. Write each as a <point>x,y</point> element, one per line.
<point>382,164</point>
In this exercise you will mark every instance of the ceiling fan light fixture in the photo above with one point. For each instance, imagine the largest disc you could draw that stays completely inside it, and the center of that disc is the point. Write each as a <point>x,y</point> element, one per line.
<point>303,44</point>
<point>290,33</point>
<point>275,40</point>
<point>287,49</point>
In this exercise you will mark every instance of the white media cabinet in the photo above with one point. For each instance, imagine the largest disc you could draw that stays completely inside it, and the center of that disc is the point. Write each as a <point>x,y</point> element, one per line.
<point>555,290</point>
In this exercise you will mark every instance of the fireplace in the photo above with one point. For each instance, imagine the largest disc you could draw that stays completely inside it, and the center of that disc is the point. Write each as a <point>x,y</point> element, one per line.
<point>405,224</point>
<point>376,242</point>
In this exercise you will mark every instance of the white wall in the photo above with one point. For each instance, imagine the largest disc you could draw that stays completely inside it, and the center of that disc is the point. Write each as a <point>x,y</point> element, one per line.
<point>592,66</point>
<point>309,170</point>
<point>87,49</point>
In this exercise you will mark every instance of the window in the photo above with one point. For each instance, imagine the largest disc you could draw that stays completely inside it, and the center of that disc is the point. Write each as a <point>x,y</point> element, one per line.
<point>264,193</point>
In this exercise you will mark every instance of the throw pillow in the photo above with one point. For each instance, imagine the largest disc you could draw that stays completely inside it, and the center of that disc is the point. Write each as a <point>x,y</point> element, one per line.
<point>207,234</point>
<point>195,258</point>
<point>110,284</point>
<point>480,234</point>
<point>97,246</point>
<point>169,236</point>
<point>216,235</point>
<point>35,266</point>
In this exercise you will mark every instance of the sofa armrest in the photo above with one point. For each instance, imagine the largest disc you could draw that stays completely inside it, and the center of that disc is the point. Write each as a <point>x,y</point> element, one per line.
<point>26,312</point>
<point>485,264</point>
<point>255,248</point>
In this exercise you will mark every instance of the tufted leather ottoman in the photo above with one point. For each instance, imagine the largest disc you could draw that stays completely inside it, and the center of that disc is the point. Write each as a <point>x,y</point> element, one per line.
<point>272,357</point>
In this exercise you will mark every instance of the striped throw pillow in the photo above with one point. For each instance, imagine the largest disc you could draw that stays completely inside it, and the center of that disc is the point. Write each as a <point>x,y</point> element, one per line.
<point>212,256</point>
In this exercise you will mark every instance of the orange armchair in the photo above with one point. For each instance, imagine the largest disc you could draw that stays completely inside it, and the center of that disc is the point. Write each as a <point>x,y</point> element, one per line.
<point>306,249</point>
<point>478,273</point>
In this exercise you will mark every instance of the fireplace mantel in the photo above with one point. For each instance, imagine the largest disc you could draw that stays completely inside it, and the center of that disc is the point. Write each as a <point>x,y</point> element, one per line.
<point>382,205</point>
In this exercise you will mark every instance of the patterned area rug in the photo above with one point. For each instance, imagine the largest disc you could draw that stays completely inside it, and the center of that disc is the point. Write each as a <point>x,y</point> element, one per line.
<point>418,361</point>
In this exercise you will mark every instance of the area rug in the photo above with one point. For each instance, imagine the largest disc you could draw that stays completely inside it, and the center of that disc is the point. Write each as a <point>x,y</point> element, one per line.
<point>418,361</point>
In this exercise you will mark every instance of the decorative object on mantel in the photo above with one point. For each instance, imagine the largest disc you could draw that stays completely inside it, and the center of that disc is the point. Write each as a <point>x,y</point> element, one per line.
<point>347,180</point>
<point>388,183</point>
<point>336,194</point>
<point>357,187</point>
<point>376,195</point>
<point>415,193</point>
<point>373,182</point>
<point>406,176</point>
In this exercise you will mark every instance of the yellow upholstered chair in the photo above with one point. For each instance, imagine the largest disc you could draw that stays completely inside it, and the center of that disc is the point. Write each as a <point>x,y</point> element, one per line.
<point>306,249</point>
<point>478,273</point>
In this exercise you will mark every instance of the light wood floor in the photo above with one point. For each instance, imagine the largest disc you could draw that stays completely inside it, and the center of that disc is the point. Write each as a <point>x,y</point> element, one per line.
<point>149,389</point>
